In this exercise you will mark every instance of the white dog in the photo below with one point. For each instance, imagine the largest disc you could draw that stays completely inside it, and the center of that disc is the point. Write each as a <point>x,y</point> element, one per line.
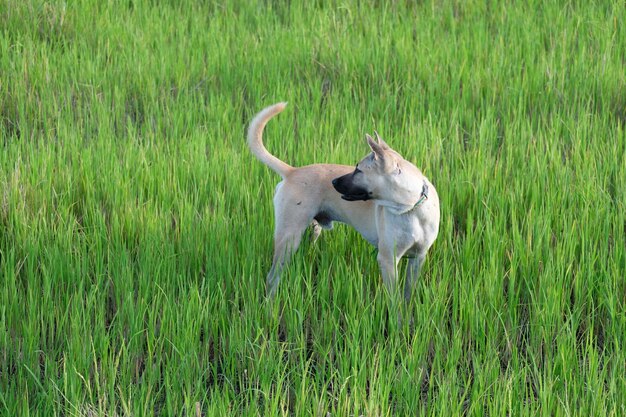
<point>385,198</point>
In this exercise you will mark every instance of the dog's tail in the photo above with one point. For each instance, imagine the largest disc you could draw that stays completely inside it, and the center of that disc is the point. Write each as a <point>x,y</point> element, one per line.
<point>255,139</point>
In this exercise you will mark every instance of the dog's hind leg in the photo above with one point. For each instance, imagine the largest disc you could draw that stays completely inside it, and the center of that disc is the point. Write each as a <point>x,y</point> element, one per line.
<point>286,242</point>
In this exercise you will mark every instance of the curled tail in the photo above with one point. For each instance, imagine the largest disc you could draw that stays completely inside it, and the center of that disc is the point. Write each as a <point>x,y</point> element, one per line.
<point>255,139</point>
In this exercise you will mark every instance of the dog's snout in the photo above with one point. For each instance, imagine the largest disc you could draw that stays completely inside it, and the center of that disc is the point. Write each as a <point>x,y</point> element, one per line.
<point>335,181</point>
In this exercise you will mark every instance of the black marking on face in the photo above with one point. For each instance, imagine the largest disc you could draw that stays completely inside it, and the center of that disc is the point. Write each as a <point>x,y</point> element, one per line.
<point>348,190</point>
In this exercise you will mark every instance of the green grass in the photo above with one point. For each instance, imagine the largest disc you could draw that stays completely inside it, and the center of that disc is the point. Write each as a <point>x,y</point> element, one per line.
<point>135,225</point>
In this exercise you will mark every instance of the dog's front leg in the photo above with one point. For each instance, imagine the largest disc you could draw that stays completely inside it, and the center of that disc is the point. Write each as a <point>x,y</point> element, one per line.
<point>388,263</point>
<point>412,272</point>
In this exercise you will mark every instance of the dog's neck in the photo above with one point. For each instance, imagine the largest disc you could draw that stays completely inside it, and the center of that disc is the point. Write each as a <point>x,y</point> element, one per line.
<point>423,195</point>
<point>398,208</point>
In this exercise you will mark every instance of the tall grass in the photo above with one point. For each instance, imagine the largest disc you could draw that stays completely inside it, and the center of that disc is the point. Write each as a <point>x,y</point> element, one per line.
<point>135,225</point>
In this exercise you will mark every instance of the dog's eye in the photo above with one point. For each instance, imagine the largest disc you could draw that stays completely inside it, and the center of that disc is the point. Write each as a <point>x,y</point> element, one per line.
<point>398,170</point>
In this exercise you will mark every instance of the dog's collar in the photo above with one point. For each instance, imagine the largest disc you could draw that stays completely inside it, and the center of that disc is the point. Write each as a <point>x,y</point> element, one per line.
<point>423,195</point>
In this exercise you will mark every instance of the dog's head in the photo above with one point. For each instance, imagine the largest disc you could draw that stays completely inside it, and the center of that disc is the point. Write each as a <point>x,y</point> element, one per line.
<point>381,175</point>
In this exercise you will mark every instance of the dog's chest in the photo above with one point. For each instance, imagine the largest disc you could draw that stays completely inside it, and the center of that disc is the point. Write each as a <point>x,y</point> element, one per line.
<point>406,229</point>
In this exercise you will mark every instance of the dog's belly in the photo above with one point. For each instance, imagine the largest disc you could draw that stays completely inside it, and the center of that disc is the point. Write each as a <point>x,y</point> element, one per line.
<point>360,217</point>
<point>371,238</point>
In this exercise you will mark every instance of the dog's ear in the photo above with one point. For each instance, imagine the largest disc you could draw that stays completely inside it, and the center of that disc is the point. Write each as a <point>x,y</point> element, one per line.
<point>381,142</point>
<point>374,146</point>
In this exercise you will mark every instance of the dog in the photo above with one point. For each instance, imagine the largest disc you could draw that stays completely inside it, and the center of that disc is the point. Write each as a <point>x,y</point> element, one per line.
<point>385,198</point>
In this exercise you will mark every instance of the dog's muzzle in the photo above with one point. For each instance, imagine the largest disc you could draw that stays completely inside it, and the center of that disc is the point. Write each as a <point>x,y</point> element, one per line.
<point>350,192</point>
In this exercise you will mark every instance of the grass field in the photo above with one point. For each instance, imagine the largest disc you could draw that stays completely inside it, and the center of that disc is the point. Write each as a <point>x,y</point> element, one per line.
<point>136,226</point>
